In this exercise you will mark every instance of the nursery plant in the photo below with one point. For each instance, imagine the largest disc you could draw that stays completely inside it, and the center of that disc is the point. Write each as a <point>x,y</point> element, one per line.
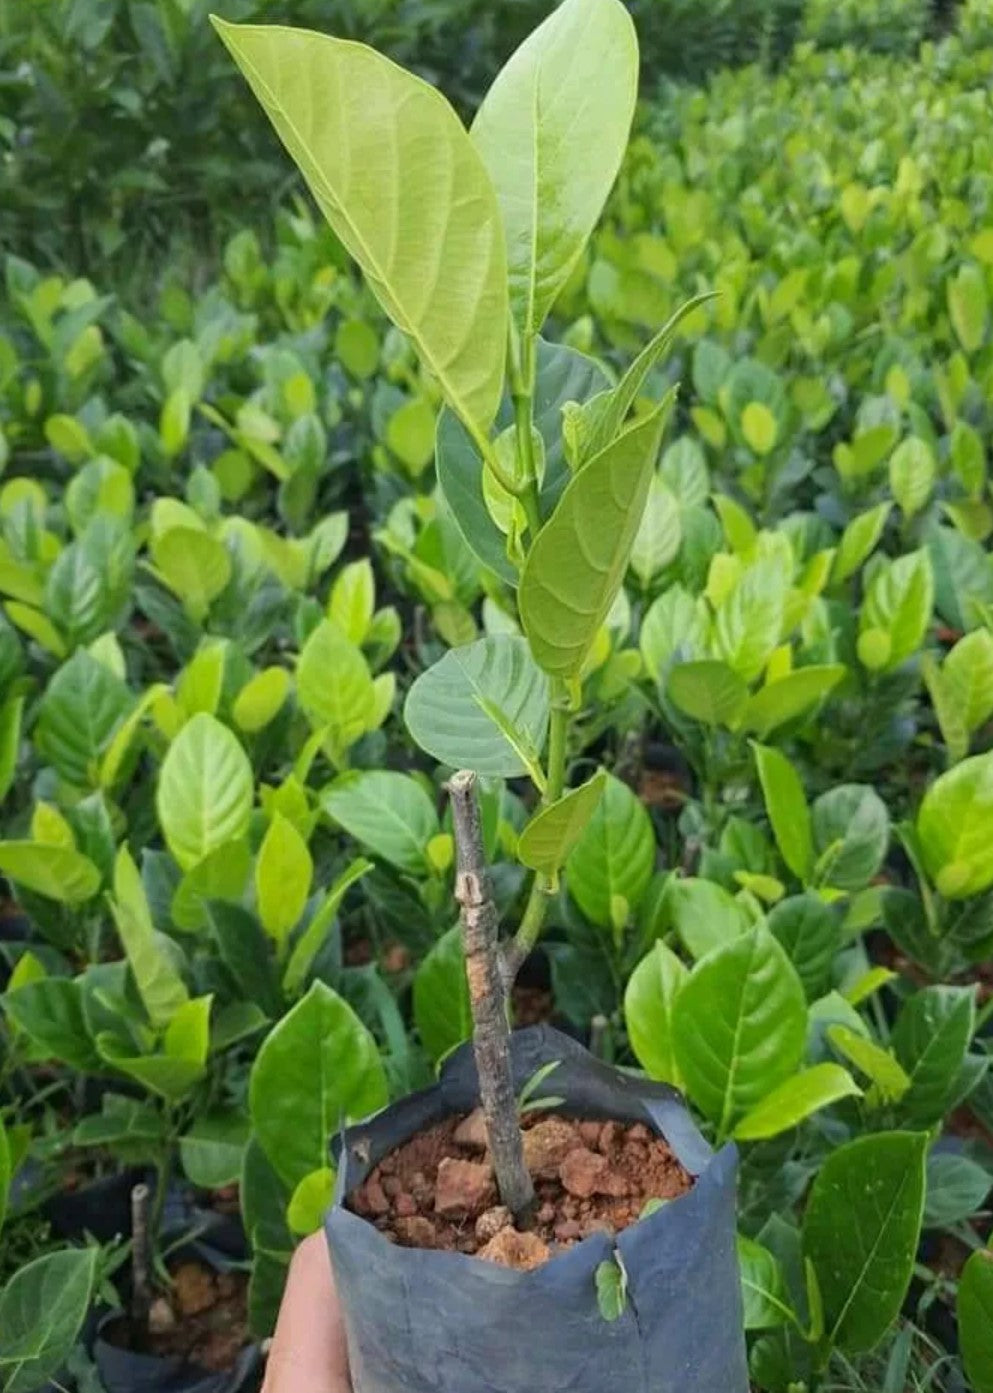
<point>467,238</point>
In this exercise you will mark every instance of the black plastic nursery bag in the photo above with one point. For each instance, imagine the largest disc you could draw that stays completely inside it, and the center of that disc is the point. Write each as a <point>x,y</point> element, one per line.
<point>440,1322</point>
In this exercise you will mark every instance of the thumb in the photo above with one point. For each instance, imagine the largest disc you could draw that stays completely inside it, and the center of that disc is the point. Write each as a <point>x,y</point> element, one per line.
<point>309,1353</point>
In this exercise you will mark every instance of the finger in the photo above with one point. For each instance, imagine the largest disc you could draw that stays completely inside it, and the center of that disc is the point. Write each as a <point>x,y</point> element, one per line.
<point>308,1352</point>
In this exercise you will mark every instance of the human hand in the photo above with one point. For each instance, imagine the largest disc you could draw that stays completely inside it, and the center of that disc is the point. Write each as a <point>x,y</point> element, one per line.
<point>308,1353</point>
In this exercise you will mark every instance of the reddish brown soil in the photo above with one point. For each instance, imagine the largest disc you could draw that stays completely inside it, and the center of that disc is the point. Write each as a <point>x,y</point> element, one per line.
<point>438,1190</point>
<point>202,1318</point>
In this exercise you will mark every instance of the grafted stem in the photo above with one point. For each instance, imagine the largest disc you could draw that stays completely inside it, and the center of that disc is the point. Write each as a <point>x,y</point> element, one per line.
<point>141,1257</point>
<point>487,998</point>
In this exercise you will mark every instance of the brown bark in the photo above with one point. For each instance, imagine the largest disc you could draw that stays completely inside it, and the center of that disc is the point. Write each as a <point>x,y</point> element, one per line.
<point>487,997</point>
<point>141,1257</point>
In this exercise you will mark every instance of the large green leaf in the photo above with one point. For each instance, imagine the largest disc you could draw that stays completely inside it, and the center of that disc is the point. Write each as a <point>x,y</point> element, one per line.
<point>810,932</point>
<point>160,986</point>
<point>975,1313</point>
<point>930,1040</point>
<point>388,813</point>
<point>860,1231</point>
<point>953,828</point>
<point>651,993</point>
<point>480,706</point>
<point>50,1013</point>
<point>213,1149</point>
<point>612,863</point>
<point>317,1070</point>
<point>547,841</point>
<point>562,375</point>
<point>552,132</point>
<point>58,872</point>
<point>851,828</point>
<point>83,705</point>
<point>205,792</point>
<point>576,566</point>
<point>786,804</point>
<point>442,1013</point>
<point>42,1309</point>
<point>739,1023</point>
<point>399,180</point>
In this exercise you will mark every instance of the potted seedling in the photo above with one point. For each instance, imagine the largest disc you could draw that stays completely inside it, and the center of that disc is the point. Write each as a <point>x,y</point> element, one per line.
<point>545,465</point>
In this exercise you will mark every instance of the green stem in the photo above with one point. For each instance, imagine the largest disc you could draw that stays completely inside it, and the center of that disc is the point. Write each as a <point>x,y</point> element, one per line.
<point>522,393</point>
<point>533,918</point>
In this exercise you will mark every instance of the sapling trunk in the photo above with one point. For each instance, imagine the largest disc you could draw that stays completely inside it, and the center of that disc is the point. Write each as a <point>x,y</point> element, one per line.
<point>488,999</point>
<point>141,1258</point>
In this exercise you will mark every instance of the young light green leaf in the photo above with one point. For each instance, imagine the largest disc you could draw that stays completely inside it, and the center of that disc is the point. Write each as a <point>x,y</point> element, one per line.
<point>160,986</point>
<point>592,424</point>
<point>858,541</point>
<point>310,1200</point>
<point>749,620</point>
<point>353,595</point>
<point>57,872</point>
<point>788,697</point>
<point>318,1069</point>
<point>649,999</point>
<point>896,611</point>
<point>739,1024</point>
<point>403,186</point>
<point>195,566</point>
<point>261,699</point>
<point>860,1230</point>
<point>952,828</point>
<point>311,940</point>
<point>576,565</point>
<point>552,132</point>
<point>786,805</point>
<point>10,739</point>
<point>283,872</point>
<point>968,675</point>
<point>889,1080</point>
<point>709,691</point>
<point>547,841</point>
<point>447,709</point>
<point>335,687</point>
<point>205,791</point>
<point>795,1099</point>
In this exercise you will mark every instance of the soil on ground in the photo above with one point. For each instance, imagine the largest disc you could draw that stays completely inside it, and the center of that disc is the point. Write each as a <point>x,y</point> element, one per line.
<point>438,1189</point>
<point>203,1319</point>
